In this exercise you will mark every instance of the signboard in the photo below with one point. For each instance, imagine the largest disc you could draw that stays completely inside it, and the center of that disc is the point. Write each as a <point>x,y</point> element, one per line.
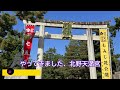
<point>22,72</point>
<point>105,55</point>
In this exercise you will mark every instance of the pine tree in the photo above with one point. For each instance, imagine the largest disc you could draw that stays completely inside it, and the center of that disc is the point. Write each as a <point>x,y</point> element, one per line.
<point>10,39</point>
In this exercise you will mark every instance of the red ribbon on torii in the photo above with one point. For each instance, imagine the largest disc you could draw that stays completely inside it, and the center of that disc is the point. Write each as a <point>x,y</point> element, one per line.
<point>29,30</point>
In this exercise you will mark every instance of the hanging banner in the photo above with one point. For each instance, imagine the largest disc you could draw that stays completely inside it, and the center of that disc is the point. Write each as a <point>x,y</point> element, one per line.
<point>105,56</point>
<point>28,43</point>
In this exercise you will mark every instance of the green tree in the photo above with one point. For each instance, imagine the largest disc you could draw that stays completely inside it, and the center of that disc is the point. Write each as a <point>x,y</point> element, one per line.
<point>10,39</point>
<point>50,72</point>
<point>9,43</point>
<point>73,52</point>
<point>31,15</point>
<point>76,50</point>
<point>114,29</point>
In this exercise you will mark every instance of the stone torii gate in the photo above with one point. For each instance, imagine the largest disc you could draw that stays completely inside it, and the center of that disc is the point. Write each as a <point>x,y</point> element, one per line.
<point>103,37</point>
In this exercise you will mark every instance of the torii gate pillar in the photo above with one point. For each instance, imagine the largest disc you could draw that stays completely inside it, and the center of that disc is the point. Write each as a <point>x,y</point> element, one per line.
<point>91,55</point>
<point>40,50</point>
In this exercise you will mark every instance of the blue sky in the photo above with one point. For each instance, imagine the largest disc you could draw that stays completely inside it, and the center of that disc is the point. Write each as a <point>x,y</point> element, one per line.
<point>71,16</point>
